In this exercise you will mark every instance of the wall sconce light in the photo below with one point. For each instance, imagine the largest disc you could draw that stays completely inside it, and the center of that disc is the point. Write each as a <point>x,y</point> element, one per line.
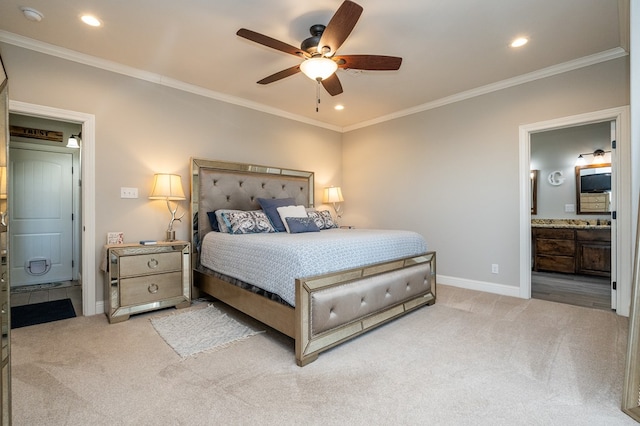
<point>73,141</point>
<point>168,187</point>
<point>598,157</point>
<point>333,195</point>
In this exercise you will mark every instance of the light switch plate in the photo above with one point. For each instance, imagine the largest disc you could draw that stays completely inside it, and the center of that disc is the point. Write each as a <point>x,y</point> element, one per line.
<point>569,208</point>
<point>128,192</point>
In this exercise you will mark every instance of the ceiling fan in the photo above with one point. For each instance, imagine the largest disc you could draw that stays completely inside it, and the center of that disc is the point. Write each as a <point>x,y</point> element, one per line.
<point>319,51</point>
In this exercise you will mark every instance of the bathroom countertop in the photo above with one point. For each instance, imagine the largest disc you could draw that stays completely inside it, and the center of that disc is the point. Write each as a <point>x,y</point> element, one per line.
<point>571,223</point>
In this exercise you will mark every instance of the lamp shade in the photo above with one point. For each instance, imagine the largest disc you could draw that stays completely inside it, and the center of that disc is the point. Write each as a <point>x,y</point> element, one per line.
<point>318,68</point>
<point>167,187</point>
<point>332,195</point>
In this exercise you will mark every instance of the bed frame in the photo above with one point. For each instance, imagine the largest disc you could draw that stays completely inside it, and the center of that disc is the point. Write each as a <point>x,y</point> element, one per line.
<point>330,309</point>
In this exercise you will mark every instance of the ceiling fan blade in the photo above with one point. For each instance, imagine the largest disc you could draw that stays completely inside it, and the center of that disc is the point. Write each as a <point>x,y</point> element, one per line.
<point>368,62</point>
<point>332,85</point>
<point>339,27</point>
<point>271,42</point>
<point>280,75</point>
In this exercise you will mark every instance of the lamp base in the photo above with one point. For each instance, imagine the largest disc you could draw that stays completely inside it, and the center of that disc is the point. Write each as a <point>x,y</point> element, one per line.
<point>171,236</point>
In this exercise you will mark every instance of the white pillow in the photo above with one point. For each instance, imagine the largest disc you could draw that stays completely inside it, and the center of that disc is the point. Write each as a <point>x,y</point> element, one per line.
<point>291,211</point>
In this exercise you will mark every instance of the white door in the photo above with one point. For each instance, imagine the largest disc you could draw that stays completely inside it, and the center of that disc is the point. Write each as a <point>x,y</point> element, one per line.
<point>41,217</point>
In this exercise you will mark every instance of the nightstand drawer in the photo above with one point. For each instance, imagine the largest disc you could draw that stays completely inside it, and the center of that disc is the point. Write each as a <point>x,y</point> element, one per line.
<point>153,263</point>
<point>147,289</point>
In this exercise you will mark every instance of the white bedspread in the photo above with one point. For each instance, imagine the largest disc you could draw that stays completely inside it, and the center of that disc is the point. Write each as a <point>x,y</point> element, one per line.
<point>273,261</point>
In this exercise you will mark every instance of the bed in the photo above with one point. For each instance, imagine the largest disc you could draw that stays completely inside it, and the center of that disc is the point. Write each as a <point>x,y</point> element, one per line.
<point>372,278</point>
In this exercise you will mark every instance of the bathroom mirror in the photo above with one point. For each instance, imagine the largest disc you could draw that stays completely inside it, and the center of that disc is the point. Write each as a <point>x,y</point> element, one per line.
<point>534,191</point>
<point>593,189</point>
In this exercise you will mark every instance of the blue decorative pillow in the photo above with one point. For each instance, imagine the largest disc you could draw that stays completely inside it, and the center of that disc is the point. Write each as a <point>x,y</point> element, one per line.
<point>270,207</point>
<point>323,219</point>
<point>213,220</point>
<point>222,224</point>
<point>251,222</point>
<point>298,225</point>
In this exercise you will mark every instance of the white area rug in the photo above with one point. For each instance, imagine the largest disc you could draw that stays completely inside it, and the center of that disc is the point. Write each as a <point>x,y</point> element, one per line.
<point>199,330</point>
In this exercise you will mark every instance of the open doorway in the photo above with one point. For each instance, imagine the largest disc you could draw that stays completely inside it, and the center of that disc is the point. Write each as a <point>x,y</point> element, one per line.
<point>45,215</point>
<point>90,304</point>
<point>621,218</point>
<point>571,221</point>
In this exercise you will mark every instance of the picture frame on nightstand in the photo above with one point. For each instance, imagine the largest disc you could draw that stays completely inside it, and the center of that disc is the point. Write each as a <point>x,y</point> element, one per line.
<point>115,238</point>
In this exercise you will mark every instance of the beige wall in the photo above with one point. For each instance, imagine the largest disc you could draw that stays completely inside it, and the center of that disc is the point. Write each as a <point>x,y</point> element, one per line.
<point>558,150</point>
<point>452,173</point>
<point>143,128</point>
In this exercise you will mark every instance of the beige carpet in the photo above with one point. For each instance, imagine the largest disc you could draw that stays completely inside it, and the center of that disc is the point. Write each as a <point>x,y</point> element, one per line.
<point>471,359</point>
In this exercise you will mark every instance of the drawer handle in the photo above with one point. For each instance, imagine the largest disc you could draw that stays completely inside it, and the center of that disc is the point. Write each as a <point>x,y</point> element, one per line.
<point>153,263</point>
<point>153,288</point>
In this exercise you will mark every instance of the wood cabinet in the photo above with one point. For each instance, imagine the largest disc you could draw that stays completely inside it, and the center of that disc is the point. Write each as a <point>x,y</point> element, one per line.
<point>141,278</point>
<point>572,251</point>
<point>593,252</point>
<point>555,250</point>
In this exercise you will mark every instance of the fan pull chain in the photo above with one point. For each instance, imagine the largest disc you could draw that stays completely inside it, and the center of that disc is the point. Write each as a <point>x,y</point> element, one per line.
<point>318,96</point>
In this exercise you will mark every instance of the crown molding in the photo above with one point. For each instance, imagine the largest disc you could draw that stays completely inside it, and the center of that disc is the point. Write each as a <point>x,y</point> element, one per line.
<point>585,61</point>
<point>89,60</point>
<point>82,58</point>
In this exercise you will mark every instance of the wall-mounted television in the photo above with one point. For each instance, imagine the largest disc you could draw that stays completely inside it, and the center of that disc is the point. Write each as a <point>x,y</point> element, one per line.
<point>599,182</point>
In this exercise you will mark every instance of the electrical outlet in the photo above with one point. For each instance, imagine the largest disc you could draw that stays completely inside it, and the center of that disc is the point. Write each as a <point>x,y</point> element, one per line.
<point>128,192</point>
<point>494,268</point>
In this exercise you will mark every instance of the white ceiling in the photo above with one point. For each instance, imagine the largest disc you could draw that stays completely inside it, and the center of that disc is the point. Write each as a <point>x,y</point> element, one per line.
<point>448,47</point>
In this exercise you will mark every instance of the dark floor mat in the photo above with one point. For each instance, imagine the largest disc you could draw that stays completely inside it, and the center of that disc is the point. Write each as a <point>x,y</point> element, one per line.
<point>39,313</point>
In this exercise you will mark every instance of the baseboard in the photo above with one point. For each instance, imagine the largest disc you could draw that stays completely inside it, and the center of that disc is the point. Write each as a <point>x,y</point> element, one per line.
<point>99,308</point>
<point>501,289</point>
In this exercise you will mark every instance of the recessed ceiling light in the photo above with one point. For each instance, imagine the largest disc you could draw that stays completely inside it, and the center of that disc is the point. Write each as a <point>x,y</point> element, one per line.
<point>520,41</point>
<point>91,20</point>
<point>32,14</point>
<point>338,107</point>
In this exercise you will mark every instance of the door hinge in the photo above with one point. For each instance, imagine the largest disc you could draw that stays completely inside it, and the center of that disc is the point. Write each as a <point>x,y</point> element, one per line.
<point>72,217</point>
<point>613,144</point>
<point>614,285</point>
<point>73,263</point>
<point>613,215</point>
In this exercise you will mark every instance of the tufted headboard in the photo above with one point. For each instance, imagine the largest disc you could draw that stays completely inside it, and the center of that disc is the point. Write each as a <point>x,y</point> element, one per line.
<point>222,185</point>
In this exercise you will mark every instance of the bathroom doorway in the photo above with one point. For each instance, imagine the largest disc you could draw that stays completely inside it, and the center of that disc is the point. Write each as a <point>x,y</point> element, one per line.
<point>571,235</point>
<point>621,224</point>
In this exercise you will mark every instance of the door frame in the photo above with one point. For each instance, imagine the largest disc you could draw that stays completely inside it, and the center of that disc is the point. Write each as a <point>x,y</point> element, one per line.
<point>87,192</point>
<point>622,228</point>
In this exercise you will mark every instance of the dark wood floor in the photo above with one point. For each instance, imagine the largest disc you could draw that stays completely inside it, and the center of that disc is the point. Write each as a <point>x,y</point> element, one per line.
<point>579,290</point>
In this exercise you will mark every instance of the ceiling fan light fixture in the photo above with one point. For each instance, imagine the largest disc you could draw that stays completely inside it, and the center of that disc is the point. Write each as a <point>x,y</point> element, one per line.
<point>318,68</point>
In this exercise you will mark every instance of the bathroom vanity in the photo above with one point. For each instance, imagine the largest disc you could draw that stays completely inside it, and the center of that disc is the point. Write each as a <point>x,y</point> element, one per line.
<point>574,247</point>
